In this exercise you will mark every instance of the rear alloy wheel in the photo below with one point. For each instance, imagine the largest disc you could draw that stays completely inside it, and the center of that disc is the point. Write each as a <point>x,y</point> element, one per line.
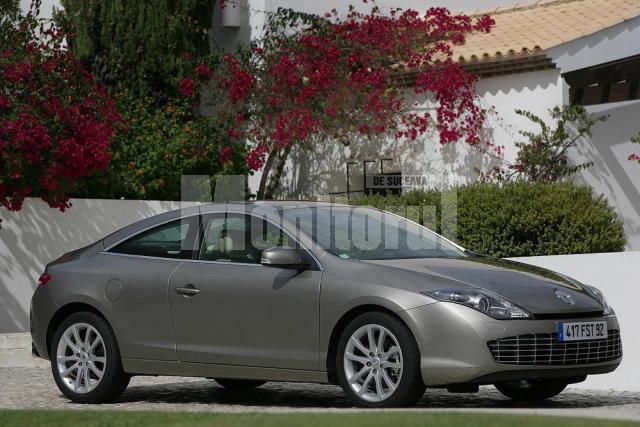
<point>85,360</point>
<point>233,384</point>
<point>379,362</point>
<point>531,390</point>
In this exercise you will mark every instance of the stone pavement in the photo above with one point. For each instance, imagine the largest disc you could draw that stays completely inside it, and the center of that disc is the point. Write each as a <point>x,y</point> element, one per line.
<point>34,388</point>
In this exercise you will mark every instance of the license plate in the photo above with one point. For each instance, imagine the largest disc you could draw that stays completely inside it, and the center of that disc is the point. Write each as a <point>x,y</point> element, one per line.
<point>581,331</point>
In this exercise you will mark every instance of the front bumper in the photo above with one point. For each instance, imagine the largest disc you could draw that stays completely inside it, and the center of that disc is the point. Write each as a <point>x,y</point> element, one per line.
<point>453,345</point>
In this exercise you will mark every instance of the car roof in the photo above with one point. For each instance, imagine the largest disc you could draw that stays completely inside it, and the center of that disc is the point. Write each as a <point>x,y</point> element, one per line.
<point>277,204</point>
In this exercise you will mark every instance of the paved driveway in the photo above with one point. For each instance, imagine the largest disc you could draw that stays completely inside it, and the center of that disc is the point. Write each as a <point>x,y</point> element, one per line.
<point>34,388</point>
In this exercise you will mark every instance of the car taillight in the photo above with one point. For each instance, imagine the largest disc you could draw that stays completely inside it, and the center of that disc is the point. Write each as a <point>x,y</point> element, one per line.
<point>44,279</point>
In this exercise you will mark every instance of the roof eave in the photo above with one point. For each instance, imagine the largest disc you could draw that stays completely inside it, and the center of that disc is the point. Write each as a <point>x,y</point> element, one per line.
<point>494,67</point>
<point>508,65</point>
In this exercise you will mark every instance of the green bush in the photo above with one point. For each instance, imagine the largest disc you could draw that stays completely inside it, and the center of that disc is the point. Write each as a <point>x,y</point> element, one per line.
<point>157,146</point>
<point>516,219</point>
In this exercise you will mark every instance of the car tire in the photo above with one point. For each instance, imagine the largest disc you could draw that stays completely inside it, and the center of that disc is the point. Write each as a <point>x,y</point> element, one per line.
<point>234,384</point>
<point>531,390</point>
<point>86,341</point>
<point>392,377</point>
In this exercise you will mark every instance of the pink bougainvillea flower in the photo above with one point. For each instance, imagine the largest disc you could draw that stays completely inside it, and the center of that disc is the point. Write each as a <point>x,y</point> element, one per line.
<point>203,72</point>
<point>187,87</point>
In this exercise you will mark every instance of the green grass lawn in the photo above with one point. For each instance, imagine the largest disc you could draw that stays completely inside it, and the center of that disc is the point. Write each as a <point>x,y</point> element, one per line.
<point>365,419</point>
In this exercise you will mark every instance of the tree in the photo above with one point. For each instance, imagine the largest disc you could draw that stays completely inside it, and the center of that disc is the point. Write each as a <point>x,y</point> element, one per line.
<point>153,56</point>
<point>542,157</point>
<point>138,46</point>
<point>56,123</point>
<point>311,79</point>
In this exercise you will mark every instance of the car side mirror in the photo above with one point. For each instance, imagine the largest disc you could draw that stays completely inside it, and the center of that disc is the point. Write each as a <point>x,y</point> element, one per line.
<point>283,258</point>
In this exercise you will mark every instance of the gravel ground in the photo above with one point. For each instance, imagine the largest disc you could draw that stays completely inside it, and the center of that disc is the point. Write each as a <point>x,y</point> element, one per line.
<point>34,388</point>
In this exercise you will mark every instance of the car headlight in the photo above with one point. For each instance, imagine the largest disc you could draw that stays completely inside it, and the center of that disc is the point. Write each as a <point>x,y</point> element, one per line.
<point>482,300</point>
<point>597,293</point>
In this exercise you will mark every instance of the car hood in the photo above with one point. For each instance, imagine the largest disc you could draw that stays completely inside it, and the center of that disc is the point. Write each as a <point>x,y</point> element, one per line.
<point>532,288</point>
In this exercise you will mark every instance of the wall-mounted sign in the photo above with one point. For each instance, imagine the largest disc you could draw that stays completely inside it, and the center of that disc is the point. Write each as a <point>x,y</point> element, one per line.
<point>387,181</point>
<point>392,181</point>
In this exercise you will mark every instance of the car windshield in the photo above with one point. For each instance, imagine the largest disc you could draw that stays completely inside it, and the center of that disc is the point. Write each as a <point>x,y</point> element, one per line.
<point>369,234</point>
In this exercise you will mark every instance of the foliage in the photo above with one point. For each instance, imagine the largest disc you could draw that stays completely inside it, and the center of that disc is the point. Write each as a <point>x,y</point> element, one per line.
<point>56,123</point>
<point>543,156</point>
<point>515,219</point>
<point>157,146</point>
<point>311,78</point>
<point>138,46</point>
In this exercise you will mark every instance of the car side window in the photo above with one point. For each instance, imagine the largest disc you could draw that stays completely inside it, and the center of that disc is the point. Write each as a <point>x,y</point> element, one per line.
<point>172,240</point>
<point>239,238</point>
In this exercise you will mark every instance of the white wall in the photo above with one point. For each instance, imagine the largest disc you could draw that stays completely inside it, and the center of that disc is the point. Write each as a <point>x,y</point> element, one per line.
<point>36,235</point>
<point>612,174</point>
<point>535,91</point>
<point>616,275</point>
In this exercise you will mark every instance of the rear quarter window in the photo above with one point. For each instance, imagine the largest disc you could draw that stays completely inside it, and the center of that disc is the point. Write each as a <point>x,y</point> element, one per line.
<point>172,240</point>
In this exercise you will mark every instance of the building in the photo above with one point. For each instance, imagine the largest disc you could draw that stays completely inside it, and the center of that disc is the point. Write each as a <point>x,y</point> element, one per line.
<point>539,55</point>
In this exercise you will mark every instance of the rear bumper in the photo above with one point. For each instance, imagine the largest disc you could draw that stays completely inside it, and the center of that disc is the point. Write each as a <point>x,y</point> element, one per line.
<point>42,310</point>
<point>453,346</point>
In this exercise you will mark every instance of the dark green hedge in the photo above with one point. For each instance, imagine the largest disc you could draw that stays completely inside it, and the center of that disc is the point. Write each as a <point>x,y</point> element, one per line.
<point>517,219</point>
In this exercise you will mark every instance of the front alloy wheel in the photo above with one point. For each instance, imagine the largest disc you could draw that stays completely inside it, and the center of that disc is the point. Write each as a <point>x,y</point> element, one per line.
<point>379,362</point>
<point>373,363</point>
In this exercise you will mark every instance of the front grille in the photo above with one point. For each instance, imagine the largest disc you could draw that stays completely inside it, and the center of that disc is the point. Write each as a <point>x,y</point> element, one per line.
<point>562,316</point>
<point>544,349</point>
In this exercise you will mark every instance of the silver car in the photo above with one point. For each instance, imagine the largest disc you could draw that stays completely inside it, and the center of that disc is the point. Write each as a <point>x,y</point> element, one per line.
<point>313,292</point>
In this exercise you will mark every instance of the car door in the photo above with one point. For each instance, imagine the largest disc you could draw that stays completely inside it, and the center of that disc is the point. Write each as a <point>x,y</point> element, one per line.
<point>238,311</point>
<point>139,270</point>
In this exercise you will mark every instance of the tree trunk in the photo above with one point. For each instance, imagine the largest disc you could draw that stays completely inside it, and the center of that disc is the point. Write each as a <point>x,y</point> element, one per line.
<point>274,180</point>
<point>265,174</point>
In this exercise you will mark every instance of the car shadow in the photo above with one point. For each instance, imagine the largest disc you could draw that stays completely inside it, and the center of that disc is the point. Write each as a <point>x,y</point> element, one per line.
<point>307,396</point>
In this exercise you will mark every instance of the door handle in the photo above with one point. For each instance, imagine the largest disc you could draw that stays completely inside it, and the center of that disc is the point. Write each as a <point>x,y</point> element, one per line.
<point>188,291</point>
